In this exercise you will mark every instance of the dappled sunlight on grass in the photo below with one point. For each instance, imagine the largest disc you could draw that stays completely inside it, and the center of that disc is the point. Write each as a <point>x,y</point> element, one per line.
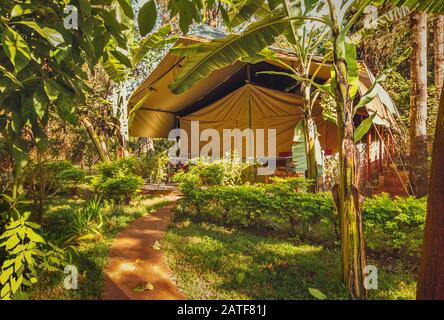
<point>211,264</point>
<point>214,262</point>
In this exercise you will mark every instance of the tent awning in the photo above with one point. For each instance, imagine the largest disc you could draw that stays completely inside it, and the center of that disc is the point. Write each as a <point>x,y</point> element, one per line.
<point>157,109</point>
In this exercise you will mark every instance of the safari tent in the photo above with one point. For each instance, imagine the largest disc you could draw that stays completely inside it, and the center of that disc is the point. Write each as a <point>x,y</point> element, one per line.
<point>238,97</point>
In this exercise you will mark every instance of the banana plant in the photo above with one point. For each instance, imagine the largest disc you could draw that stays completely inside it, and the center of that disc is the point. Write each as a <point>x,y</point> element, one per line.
<point>305,42</point>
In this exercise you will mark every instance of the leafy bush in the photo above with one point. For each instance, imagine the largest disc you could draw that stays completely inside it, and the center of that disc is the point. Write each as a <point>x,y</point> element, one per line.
<point>117,180</point>
<point>52,176</point>
<point>157,166</point>
<point>86,222</point>
<point>394,226</point>
<point>123,166</point>
<point>216,173</point>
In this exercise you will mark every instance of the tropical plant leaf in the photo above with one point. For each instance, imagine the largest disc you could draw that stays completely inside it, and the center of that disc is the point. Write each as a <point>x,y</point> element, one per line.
<point>242,11</point>
<point>432,6</point>
<point>15,48</point>
<point>373,90</point>
<point>352,68</point>
<point>127,8</point>
<point>40,103</point>
<point>363,128</point>
<point>388,18</point>
<point>122,58</point>
<point>11,76</point>
<point>292,9</point>
<point>155,40</point>
<point>20,155</point>
<point>113,67</point>
<point>52,89</point>
<point>147,17</point>
<point>204,58</point>
<point>54,37</point>
<point>325,88</point>
<point>66,108</point>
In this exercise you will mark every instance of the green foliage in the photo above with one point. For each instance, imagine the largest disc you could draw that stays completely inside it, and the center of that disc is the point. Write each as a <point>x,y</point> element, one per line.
<point>147,17</point>
<point>117,180</point>
<point>157,166</point>
<point>215,173</point>
<point>123,166</point>
<point>394,226</point>
<point>52,176</point>
<point>42,63</point>
<point>86,222</point>
<point>27,254</point>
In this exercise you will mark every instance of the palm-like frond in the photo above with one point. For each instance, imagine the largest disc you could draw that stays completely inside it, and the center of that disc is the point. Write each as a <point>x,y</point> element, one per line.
<point>431,6</point>
<point>204,58</point>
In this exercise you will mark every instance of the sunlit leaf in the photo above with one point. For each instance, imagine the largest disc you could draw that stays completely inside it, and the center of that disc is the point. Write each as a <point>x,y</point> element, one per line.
<point>15,48</point>
<point>317,294</point>
<point>363,128</point>
<point>147,17</point>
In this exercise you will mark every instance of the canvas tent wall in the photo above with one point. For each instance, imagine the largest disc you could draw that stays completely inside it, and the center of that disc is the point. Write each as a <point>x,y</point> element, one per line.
<point>255,107</point>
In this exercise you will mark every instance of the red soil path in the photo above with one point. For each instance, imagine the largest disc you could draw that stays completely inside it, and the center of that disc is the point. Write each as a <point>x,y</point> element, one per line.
<point>132,261</point>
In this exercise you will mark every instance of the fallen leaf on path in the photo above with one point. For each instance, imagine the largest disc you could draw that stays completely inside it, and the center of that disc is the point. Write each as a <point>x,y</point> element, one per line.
<point>156,245</point>
<point>143,287</point>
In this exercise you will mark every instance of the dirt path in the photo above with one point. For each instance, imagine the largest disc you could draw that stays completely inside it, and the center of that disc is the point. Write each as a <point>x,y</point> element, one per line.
<point>132,261</point>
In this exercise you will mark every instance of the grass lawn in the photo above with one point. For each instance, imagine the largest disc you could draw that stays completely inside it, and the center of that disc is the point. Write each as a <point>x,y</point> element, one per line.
<point>214,262</point>
<point>90,257</point>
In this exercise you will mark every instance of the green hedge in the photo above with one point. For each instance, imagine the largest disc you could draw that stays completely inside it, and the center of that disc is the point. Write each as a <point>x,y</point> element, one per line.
<point>117,180</point>
<point>394,226</point>
<point>283,204</point>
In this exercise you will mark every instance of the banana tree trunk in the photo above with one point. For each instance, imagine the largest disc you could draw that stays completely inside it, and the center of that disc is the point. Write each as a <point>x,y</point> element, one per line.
<point>309,130</point>
<point>431,275</point>
<point>347,195</point>
<point>98,142</point>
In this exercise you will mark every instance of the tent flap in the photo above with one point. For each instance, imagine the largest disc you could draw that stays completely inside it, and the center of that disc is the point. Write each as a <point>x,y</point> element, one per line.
<point>254,107</point>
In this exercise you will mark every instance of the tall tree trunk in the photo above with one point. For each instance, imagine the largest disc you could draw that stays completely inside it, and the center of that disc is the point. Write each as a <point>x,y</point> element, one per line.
<point>309,133</point>
<point>431,275</point>
<point>438,47</point>
<point>418,172</point>
<point>98,142</point>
